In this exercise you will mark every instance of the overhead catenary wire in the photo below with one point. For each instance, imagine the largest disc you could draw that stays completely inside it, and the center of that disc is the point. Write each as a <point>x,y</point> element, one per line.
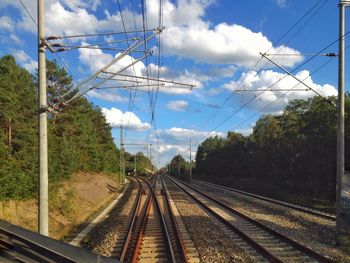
<point>269,88</point>
<point>97,34</point>
<point>259,60</point>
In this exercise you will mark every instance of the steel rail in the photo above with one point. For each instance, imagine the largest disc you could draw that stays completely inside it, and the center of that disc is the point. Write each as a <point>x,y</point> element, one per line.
<point>266,254</point>
<point>308,210</point>
<point>174,224</point>
<point>309,252</point>
<point>133,220</point>
<point>153,200</point>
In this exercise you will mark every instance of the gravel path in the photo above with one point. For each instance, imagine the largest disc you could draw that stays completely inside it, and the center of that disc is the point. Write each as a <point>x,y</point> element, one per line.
<point>316,232</point>
<point>212,243</point>
<point>104,237</point>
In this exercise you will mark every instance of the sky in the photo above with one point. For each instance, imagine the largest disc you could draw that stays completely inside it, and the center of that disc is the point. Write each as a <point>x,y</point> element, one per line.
<point>214,45</point>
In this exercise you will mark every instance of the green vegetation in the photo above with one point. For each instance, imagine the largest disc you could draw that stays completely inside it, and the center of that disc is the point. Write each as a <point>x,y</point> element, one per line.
<point>143,164</point>
<point>290,154</point>
<point>179,167</point>
<point>79,137</point>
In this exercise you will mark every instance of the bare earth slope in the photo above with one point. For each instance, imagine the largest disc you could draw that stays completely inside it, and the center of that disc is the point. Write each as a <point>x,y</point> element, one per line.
<point>72,206</point>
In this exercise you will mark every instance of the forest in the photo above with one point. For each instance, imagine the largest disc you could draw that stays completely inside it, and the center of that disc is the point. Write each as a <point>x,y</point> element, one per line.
<point>79,139</point>
<point>291,155</point>
<point>294,152</point>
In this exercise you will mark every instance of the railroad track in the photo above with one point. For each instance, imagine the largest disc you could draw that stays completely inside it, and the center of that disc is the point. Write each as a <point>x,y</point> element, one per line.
<point>262,242</point>
<point>153,235</point>
<point>304,209</point>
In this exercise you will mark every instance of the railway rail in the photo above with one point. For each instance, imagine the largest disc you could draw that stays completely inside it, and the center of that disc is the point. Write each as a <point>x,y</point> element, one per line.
<point>304,209</point>
<point>153,235</point>
<point>266,242</point>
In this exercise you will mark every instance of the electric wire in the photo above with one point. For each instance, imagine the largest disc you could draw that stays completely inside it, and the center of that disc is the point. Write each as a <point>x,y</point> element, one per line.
<point>256,63</point>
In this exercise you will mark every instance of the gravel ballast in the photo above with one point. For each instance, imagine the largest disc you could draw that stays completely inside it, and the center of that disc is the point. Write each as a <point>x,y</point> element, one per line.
<point>315,232</point>
<point>104,237</point>
<point>212,243</point>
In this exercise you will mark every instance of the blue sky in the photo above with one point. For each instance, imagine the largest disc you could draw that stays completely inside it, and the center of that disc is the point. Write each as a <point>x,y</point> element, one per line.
<point>213,44</point>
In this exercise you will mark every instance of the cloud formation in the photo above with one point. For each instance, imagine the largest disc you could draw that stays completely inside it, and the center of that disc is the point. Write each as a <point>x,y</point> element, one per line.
<point>25,60</point>
<point>177,105</point>
<point>128,120</point>
<point>277,84</point>
<point>189,35</point>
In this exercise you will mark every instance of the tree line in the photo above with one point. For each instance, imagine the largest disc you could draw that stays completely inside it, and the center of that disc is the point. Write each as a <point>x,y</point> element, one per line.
<point>79,137</point>
<point>293,152</point>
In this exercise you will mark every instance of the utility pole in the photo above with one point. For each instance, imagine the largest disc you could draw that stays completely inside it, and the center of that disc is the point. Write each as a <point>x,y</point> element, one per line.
<point>190,161</point>
<point>122,169</point>
<point>43,219</point>
<point>150,155</point>
<point>178,165</point>
<point>343,182</point>
<point>135,163</point>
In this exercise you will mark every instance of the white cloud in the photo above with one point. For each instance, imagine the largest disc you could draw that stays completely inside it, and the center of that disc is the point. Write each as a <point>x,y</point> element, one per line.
<point>96,59</point>
<point>266,78</point>
<point>15,39</point>
<point>21,56</point>
<point>25,60</point>
<point>177,105</point>
<point>6,23</point>
<point>281,3</point>
<point>188,35</point>
<point>176,140</point>
<point>128,120</point>
<point>180,135</point>
<point>31,66</point>
<point>107,96</point>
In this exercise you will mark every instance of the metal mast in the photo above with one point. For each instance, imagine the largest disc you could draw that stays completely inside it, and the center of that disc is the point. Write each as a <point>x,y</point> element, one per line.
<point>190,161</point>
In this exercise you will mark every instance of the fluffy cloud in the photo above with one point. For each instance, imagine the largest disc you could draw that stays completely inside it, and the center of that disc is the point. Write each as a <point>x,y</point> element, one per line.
<point>266,78</point>
<point>110,95</point>
<point>96,59</point>
<point>180,135</point>
<point>25,60</point>
<point>6,23</point>
<point>176,140</point>
<point>188,35</point>
<point>177,105</point>
<point>128,120</point>
<point>281,3</point>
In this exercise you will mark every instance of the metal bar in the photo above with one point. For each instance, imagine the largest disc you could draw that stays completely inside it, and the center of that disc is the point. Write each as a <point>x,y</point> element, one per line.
<point>294,77</point>
<point>99,34</point>
<point>239,90</point>
<point>148,78</point>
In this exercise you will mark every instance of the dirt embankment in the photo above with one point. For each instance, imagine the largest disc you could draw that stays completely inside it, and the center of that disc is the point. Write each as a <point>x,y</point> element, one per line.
<point>72,205</point>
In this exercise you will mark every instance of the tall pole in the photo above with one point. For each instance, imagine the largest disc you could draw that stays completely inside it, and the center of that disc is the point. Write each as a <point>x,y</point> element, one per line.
<point>178,165</point>
<point>342,213</point>
<point>190,161</point>
<point>122,169</point>
<point>43,219</point>
<point>150,155</point>
<point>135,164</point>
